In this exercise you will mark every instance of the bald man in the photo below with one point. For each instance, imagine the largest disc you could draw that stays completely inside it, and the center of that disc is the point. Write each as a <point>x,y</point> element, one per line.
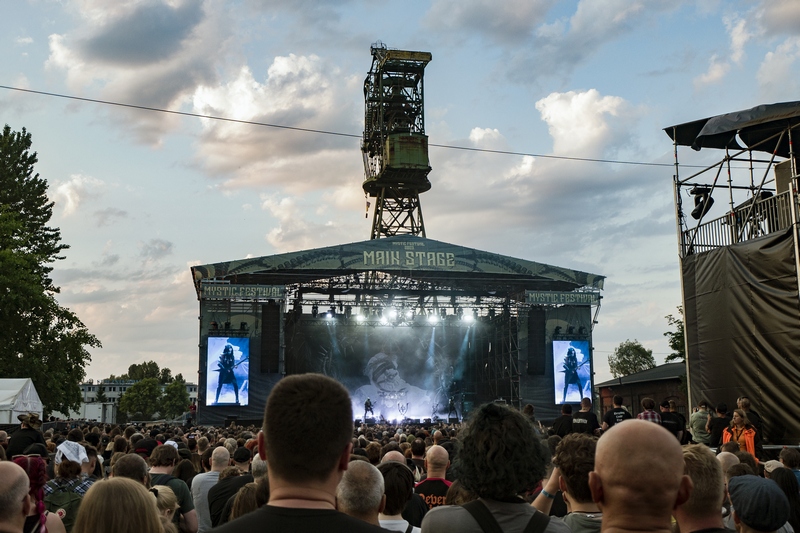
<point>14,501</point>
<point>434,488</point>
<point>638,478</point>
<point>416,507</point>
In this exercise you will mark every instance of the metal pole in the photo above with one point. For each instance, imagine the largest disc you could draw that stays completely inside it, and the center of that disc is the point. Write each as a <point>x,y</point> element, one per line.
<point>793,206</point>
<point>681,253</point>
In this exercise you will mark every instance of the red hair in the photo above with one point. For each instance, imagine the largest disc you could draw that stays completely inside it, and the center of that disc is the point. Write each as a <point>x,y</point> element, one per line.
<point>36,469</point>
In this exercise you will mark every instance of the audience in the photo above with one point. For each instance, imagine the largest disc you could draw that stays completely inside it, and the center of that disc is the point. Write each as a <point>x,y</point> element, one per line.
<point>500,458</point>
<point>638,478</point>
<point>15,504</point>
<point>360,492</point>
<point>702,510</point>
<point>120,505</point>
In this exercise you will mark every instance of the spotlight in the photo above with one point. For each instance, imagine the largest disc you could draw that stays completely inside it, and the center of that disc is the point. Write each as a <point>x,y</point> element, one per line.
<point>467,317</point>
<point>459,312</point>
<point>348,311</point>
<point>314,310</point>
<point>392,313</point>
<point>384,320</point>
<point>491,312</point>
<point>557,331</point>
<point>332,312</point>
<point>571,330</point>
<point>443,312</point>
<point>409,314</point>
<point>433,318</point>
<point>361,318</point>
<point>475,314</point>
<point>702,201</point>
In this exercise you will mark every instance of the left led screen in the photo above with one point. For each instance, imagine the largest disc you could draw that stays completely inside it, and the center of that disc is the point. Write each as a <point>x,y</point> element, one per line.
<point>227,371</point>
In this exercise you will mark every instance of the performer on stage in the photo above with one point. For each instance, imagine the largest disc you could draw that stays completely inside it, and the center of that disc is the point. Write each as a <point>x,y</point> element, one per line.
<point>368,409</point>
<point>451,408</point>
<point>226,365</point>
<point>389,389</point>
<point>571,372</point>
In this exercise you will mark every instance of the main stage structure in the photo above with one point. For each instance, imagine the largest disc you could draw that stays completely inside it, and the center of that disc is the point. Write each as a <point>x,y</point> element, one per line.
<point>425,329</point>
<point>740,264</point>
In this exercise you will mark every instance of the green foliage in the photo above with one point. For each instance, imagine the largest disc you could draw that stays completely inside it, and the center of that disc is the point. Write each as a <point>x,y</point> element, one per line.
<point>101,397</point>
<point>141,400</point>
<point>40,339</point>
<point>676,339</point>
<point>630,357</point>
<point>176,400</point>
<point>144,370</point>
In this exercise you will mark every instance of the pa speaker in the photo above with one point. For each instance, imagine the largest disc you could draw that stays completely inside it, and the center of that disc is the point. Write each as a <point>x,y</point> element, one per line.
<point>270,338</point>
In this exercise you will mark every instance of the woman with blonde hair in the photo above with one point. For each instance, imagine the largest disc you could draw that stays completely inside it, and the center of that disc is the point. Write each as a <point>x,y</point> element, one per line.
<point>120,505</point>
<point>167,504</point>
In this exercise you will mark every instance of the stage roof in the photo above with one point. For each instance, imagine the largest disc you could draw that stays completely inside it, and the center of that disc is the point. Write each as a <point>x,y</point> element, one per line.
<point>412,257</point>
<point>752,125</point>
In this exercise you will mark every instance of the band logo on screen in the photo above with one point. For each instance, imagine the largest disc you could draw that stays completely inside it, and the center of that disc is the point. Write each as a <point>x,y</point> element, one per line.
<point>227,371</point>
<point>572,369</point>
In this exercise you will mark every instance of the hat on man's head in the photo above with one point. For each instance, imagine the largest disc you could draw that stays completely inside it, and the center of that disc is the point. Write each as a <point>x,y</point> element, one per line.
<point>145,447</point>
<point>758,502</point>
<point>242,455</point>
<point>31,419</point>
<point>665,404</point>
<point>771,465</point>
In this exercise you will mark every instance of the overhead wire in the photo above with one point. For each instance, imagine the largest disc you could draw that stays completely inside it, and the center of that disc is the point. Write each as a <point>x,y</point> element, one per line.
<point>334,133</point>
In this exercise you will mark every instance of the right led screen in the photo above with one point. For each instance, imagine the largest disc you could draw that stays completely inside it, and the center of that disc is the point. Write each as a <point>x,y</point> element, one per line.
<point>572,371</point>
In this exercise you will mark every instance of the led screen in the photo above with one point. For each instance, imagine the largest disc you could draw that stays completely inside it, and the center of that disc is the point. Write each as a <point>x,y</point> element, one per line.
<point>405,371</point>
<point>227,371</point>
<point>572,371</point>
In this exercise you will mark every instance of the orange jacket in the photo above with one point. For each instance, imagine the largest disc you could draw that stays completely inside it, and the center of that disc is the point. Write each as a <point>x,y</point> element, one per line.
<point>749,439</point>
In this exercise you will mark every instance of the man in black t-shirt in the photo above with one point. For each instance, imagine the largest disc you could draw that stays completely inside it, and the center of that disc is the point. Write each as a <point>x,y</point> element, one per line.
<point>562,426</point>
<point>670,421</point>
<point>717,424</point>
<point>304,473</point>
<point>615,415</point>
<point>585,421</point>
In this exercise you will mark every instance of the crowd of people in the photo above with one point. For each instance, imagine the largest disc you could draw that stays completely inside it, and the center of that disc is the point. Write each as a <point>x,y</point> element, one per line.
<point>308,469</point>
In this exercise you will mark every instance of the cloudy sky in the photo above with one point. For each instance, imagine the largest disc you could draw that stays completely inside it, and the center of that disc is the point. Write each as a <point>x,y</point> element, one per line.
<point>140,196</point>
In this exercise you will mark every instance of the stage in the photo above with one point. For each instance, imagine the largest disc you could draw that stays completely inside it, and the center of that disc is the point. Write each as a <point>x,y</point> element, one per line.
<point>424,329</point>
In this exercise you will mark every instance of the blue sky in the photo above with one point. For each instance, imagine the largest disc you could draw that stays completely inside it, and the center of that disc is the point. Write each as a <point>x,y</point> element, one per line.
<point>141,196</point>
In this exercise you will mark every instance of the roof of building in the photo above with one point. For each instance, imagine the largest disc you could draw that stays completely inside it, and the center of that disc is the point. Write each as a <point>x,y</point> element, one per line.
<point>658,373</point>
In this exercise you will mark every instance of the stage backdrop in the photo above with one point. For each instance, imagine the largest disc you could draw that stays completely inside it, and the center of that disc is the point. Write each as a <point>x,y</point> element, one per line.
<point>743,329</point>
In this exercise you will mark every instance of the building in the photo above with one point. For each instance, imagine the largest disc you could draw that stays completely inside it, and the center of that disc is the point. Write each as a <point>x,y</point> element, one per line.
<point>106,412</point>
<point>663,382</point>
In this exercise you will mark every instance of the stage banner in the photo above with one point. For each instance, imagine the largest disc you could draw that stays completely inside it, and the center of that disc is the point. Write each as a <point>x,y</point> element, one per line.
<point>226,291</point>
<point>399,253</point>
<point>562,298</point>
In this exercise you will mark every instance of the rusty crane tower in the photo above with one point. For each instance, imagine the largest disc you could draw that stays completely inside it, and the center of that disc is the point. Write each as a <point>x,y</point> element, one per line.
<point>395,147</point>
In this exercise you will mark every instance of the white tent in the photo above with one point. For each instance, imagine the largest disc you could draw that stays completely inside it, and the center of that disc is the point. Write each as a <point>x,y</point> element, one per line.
<point>18,396</point>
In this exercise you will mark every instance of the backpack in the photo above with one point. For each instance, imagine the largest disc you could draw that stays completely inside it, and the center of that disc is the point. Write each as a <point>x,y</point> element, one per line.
<point>65,503</point>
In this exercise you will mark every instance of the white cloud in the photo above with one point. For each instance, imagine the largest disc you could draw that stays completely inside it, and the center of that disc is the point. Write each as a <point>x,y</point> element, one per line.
<point>777,75</point>
<point>779,16</point>
<point>578,121</point>
<point>299,91</point>
<point>72,193</point>
<point>739,36</point>
<point>22,41</point>
<point>717,69</point>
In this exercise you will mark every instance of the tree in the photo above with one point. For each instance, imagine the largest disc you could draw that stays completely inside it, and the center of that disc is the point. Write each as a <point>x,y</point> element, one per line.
<point>676,339</point>
<point>40,339</point>
<point>630,357</point>
<point>165,376</point>
<point>101,397</point>
<point>144,370</point>
<point>142,399</point>
<point>176,400</point>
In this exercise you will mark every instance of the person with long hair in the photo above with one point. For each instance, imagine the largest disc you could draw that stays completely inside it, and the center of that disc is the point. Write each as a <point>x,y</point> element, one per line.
<point>742,432</point>
<point>40,520</point>
<point>787,481</point>
<point>120,505</point>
